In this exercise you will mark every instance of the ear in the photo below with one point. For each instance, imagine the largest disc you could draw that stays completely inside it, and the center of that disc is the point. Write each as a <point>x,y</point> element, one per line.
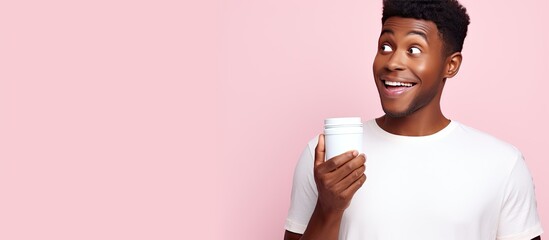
<point>452,64</point>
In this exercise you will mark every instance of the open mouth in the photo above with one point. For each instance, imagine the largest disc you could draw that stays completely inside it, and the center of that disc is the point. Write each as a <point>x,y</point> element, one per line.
<point>396,88</point>
<point>391,84</point>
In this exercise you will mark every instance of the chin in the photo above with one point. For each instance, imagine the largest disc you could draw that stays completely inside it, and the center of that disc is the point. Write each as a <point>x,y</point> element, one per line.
<point>397,114</point>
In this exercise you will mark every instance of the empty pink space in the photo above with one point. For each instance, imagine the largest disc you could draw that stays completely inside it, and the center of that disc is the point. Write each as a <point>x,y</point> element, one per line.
<point>105,107</point>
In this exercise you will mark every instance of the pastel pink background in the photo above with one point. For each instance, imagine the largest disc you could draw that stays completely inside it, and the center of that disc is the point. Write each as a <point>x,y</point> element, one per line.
<point>179,120</point>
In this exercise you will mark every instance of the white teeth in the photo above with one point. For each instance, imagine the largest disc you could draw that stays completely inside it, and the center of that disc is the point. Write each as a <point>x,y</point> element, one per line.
<point>398,84</point>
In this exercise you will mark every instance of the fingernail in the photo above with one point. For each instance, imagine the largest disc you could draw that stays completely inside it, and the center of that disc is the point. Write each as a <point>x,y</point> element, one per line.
<point>355,153</point>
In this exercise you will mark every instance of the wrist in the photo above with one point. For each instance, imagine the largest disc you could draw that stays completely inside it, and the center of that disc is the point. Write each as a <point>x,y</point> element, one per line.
<point>324,224</point>
<point>329,214</point>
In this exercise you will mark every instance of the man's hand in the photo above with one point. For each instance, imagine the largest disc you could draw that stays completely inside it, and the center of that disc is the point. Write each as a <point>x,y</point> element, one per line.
<point>338,178</point>
<point>337,181</point>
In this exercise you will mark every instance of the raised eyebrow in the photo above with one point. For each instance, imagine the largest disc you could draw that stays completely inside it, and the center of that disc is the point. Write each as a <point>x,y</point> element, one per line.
<point>413,32</point>
<point>421,34</point>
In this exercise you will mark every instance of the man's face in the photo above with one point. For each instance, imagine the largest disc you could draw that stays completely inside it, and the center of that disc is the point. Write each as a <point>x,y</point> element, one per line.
<point>409,65</point>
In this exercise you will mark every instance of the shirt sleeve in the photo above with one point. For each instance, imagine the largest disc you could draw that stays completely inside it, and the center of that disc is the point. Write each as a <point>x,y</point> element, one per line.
<point>304,192</point>
<point>519,218</point>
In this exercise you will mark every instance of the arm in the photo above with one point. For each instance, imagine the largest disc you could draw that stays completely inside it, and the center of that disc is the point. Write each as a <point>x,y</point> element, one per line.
<point>291,236</point>
<point>337,180</point>
<point>519,215</point>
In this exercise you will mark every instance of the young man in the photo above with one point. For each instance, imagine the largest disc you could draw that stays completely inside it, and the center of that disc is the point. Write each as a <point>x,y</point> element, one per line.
<point>428,177</point>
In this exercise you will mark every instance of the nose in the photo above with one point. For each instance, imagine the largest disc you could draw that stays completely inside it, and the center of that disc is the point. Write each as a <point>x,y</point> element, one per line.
<point>396,61</point>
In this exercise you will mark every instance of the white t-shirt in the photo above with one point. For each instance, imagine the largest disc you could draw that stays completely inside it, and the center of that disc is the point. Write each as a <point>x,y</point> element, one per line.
<point>458,183</point>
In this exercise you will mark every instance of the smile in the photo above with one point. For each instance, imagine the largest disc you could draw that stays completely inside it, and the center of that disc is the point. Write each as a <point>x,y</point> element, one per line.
<point>397,84</point>
<point>396,88</point>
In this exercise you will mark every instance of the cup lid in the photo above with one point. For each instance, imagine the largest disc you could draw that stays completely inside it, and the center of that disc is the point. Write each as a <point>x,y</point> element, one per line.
<point>343,121</point>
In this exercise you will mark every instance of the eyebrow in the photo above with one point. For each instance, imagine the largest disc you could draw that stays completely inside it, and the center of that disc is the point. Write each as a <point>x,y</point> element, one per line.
<point>421,34</point>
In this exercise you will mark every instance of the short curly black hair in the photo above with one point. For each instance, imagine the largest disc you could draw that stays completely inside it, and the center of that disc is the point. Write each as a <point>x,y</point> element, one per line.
<point>450,17</point>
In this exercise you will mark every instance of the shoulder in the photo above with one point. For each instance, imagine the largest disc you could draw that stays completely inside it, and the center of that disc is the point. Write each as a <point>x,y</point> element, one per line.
<point>483,142</point>
<point>480,151</point>
<point>311,145</point>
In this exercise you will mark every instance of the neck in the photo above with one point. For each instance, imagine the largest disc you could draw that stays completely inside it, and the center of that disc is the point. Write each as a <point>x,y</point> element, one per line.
<point>416,124</point>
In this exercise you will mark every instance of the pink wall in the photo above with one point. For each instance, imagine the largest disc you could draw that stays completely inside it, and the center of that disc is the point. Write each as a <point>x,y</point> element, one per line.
<point>169,120</point>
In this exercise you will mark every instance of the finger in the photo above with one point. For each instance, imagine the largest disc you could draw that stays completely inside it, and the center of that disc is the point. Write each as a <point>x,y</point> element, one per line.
<point>349,179</point>
<point>319,150</point>
<point>348,173</point>
<point>338,161</point>
<point>346,163</point>
<point>351,190</point>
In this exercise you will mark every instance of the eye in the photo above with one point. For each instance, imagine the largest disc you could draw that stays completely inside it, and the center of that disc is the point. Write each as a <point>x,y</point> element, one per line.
<point>386,48</point>
<point>414,50</point>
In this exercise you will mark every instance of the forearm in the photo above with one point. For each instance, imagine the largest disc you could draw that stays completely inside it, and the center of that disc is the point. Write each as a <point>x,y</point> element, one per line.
<point>323,225</point>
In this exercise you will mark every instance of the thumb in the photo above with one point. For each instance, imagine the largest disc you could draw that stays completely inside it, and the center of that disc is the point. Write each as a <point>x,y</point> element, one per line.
<point>319,150</point>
